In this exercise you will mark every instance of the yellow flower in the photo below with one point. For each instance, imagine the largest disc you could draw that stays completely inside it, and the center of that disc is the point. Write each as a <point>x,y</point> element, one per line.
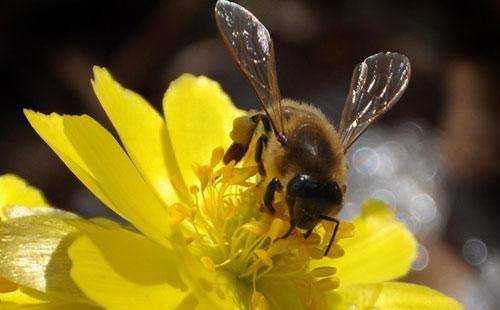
<point>15,192</point>
<point>19,200</point>
<point>197,237</point>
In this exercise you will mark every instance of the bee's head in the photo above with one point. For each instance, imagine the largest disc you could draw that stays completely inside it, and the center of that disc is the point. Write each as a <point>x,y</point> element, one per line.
<point>309,198</point>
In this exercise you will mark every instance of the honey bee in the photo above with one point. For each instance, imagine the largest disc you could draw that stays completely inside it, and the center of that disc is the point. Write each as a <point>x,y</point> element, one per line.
<point>299,151</point>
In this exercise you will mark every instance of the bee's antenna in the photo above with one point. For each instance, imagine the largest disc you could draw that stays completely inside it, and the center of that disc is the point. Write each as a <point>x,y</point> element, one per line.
<point>281,138</point>
<point>337,224</point>
<point>290,231</point>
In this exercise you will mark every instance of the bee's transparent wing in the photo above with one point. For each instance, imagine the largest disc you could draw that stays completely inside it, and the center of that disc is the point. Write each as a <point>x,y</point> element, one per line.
<point>252,49</point>
<point>376,85</point>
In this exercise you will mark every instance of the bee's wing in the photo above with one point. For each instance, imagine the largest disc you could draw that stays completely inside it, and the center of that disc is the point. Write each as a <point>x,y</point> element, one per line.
<point>252,49</point>
<point>376,85</point>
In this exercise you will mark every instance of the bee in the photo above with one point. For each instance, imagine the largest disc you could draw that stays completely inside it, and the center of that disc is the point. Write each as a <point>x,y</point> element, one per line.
<point>300,152</point>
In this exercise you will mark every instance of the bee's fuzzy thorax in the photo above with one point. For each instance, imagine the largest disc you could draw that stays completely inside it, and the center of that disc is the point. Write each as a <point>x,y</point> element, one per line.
<point>314,144</point>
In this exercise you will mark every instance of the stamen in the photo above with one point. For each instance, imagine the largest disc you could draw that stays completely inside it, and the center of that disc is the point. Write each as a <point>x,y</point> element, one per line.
<point>326,284</point>
<point>336,251</point>
<point>208,263</point>
<point>203,173</point>
<point>321,272</point>
<point>178,212</point>
<point>259,301</point>
<point>217,155</point>
<point>225,225</point>
<point>264,257</point>
<point>279,247</point>
<point>278,226</point>
<point>175,216</point>
<point>255,228</point>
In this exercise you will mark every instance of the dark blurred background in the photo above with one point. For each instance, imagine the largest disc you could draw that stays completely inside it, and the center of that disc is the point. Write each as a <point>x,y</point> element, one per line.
<point>434,157</point>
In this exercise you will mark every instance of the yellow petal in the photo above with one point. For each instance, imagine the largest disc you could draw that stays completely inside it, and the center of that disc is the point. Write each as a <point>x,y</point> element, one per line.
<point>24,299</point>
<point>117,176</point>
<point>391,296</point>
<point>21,211</point>
<point>141,129</point>
<point>101,164</point>
<point>20,297</point>
<point>14,191</point>
<point>117,267</point>
<point>382,248</point>
<point>33,253</point>
<point>120,269</point>
<point>55,306</point>
<point>51,130</point>
<point>199,118</point>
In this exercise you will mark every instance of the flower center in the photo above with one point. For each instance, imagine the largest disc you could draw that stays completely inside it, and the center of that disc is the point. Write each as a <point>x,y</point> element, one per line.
<point>231,232</point>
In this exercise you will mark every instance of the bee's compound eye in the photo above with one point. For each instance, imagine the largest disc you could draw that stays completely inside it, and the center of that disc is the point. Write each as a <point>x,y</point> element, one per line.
<point>333,192</point>
<point>298,184</point>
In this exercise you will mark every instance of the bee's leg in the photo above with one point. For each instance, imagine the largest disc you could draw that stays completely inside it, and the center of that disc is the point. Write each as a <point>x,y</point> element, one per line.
<point>290,231</point>
<point>308,233</point>
<point>235,152</point>
<point>264,119</point>
<point>261,143</point>
<point>337,223</point>
<point>242,133</point>
<point>272,187</point>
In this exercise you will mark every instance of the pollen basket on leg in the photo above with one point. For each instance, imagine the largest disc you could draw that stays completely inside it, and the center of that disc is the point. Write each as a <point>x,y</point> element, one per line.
<point>231,232</point>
